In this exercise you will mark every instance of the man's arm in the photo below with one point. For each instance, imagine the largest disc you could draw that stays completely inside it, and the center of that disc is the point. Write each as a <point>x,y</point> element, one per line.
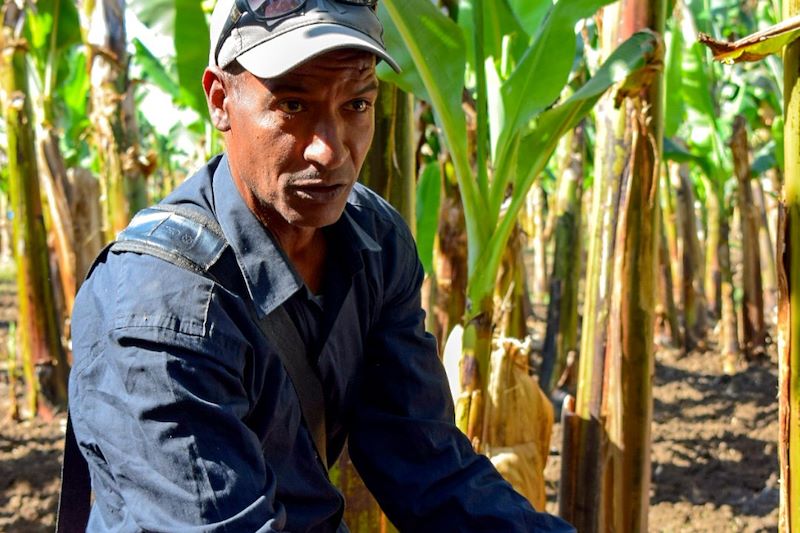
<point>157,401</point>
<point>404,442</point>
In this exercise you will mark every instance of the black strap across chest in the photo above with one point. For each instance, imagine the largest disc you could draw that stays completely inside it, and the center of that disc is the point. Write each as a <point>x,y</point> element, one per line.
<point>189,238</point>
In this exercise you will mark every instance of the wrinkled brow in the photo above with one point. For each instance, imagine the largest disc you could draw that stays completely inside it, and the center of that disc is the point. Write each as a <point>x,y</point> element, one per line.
<point>290,87</point>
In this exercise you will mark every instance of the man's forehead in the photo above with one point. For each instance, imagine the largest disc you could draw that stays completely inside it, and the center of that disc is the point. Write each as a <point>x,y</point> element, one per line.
<point>346,64</point>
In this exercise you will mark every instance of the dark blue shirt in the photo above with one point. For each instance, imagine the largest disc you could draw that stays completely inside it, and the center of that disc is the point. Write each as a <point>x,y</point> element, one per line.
<point>190,423</point>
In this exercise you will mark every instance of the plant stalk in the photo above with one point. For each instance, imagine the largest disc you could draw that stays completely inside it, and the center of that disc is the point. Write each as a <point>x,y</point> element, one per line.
<point>44,363</point>
<point>789,303</point>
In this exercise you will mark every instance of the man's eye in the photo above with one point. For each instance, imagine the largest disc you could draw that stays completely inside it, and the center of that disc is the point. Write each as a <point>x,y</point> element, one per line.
<point>360,105</point>
<point>291,106</point>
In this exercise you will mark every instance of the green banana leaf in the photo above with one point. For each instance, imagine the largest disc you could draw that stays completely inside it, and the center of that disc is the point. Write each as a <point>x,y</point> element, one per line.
<point>408,79</point>
<point>74,93</point>
<point>190,39</point>
<point>500,23</point>
<point>674,107</point>
<point>530,13</point>
<point>701,14</point>
<point>46,45</point>
<point>434,61</point>
<point>635,53</point>
<point>158,15</point>
<point>430,48</point>
<point>429,189</point>
<point>154,70</point>
<point>541,74</point>
<point>700,94</point>
<point>191,49</point>
<point>679,154</point>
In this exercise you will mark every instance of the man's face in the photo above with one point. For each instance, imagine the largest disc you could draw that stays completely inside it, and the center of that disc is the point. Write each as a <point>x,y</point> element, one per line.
<point>296,143</point>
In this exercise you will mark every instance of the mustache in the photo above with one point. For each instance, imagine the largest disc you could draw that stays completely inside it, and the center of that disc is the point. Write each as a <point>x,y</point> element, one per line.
<point>308,176</point>
<point>305,175</point>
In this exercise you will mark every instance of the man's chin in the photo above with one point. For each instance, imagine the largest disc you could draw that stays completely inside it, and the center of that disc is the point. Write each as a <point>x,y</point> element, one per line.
<point>312,212</point>
<point>315,219</point>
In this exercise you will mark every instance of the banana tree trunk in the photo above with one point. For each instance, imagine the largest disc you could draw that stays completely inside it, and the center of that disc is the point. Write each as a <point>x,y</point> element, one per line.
<point>713,272</point>
<point>362,514</point>
<point>789,306</point>
<point>671,255</point>
<point>670,311</point>
<point>754,329</point>
<point>729,331</point>
<point>450,262</point>
<point>670,225</point>
<point>766,246</point>
<point>580,490</point>
<point>53,180</point>
<point>610,472</point>
<point>389,168</point>
<point>11,369</point>
<point>474,373</point>
<point>536,221</point>
<point>518,416</point>
<point>629,364</point>
<point>628,401</point>
<point>112,113</point>
<point>561,336</point>
<point>694,306</point>
<point>45,366</point>
<point>512,291</point>
<point>87,218</point>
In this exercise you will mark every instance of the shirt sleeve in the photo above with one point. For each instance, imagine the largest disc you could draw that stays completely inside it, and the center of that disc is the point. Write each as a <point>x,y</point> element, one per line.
<point>157,405</point>
<point>404,442</point>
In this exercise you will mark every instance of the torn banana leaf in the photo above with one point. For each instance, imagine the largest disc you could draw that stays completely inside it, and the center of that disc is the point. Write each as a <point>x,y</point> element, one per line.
<point>756,46</point>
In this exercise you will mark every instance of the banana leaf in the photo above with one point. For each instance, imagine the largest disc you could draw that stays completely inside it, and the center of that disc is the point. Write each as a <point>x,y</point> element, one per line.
<point>756,46</point>
<point>636,53</point>
<point>52,27</point>
<point>428,202</point>
<point>431,50</point>
<point>191,48</point>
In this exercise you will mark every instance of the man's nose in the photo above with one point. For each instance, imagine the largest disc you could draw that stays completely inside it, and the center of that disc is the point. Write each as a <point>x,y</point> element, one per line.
<point>326,148</point>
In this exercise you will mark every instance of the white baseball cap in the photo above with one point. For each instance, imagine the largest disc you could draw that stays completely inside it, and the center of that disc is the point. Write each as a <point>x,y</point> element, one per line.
<point>270,48</point>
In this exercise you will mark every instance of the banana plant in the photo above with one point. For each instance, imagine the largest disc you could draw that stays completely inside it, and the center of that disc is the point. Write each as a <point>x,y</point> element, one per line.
<point>53,31</point>
<point>711,98</point>
<point>518,79</point>
<point>784,37</point>
<point>789,321</point>
<point>182,79</point>
<point>44,360</point>
<point>177,72</point>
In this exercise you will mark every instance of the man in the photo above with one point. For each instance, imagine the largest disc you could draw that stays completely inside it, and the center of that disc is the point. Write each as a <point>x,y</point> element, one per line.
<point>185,406</point>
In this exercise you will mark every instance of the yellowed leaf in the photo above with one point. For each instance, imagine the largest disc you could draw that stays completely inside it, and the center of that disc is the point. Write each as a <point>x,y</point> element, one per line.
<point>756,46</point>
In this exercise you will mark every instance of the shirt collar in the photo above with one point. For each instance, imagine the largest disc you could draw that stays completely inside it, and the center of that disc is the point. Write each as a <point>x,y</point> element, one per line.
<point>270,277</point>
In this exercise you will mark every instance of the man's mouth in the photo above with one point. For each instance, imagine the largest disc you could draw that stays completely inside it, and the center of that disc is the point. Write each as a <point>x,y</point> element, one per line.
<point>317,192</point>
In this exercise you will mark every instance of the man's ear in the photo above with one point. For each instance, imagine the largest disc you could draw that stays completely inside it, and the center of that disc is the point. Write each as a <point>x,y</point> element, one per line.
<point>214,84</point>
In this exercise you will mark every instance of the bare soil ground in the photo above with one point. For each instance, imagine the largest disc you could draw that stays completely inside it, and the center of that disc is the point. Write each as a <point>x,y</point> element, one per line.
<point>715,463</point>
<point>714,457</point>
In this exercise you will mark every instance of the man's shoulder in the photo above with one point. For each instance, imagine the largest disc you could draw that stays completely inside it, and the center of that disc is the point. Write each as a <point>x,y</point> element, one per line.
<point>126,285</point>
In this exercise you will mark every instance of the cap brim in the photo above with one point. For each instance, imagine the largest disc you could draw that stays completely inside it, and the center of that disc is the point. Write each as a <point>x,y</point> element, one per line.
<point>281,54</point>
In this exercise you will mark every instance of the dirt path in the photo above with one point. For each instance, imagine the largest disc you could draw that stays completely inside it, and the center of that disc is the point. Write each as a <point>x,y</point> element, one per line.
<point>30,455</point>
<point>714,457</point>
<point>715,463</point>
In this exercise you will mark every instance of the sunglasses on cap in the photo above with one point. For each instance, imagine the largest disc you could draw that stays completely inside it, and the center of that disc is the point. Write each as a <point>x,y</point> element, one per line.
<point>267,10</point>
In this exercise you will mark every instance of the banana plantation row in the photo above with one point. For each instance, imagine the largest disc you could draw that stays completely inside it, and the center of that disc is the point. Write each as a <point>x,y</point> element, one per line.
<point>584,157</point>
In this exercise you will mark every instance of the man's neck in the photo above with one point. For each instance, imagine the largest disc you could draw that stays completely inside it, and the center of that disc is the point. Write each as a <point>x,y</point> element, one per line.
<point>306,249</point>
